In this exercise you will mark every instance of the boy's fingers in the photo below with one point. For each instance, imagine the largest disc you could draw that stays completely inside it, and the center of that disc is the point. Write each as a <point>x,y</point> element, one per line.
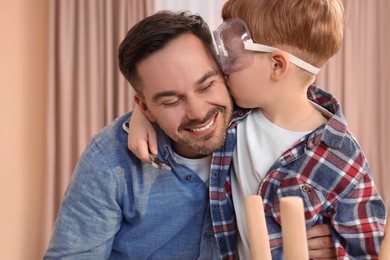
<point>142,151</point>
<point>319,243</point>
<point>319,231</point>
<point>153,143</point>
<point>329,253</point>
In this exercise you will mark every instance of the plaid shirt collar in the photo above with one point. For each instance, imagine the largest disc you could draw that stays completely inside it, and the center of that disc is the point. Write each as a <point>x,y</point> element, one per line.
<point>335,130</point>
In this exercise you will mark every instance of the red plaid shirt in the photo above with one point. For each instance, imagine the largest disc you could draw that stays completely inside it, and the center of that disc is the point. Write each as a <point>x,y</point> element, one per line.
<point>328,170</point>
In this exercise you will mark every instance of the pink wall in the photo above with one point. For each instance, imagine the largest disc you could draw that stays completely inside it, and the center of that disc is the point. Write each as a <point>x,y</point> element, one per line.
<point>23,81</point>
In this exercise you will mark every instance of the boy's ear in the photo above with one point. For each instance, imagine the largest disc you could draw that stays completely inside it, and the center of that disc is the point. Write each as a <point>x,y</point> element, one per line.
<point>280,65</point>
<point>144,108</point>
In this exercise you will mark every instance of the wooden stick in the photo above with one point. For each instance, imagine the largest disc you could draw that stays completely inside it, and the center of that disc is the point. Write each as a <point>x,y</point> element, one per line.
<point>384,252</point>
<point>293,229</point>
<point>257,228</point>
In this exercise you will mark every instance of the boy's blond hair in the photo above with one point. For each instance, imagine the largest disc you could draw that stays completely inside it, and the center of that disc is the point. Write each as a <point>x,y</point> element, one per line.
<point>310,29</point>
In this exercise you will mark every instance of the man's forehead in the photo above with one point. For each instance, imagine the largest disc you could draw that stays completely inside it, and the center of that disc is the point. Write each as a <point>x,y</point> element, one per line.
<point>184,62</point>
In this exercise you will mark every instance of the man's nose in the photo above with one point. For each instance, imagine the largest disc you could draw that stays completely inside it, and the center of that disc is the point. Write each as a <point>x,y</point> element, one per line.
<point>196,108</point>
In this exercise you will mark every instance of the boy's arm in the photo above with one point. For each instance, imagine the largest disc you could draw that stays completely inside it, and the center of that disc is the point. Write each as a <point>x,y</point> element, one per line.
<point>143,136</point>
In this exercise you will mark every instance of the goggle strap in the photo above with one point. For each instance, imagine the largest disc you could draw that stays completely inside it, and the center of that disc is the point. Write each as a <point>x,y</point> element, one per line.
<point>250,45</point>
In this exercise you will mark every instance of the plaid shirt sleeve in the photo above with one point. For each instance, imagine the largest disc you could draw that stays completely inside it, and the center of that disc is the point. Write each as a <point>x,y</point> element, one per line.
<point>359,213</point>
<point>331,183</point>
<point>359,221</point>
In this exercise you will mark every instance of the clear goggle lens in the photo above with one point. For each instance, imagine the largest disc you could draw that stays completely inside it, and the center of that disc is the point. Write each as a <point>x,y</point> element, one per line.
<point>235,48</point>
<point>229,39</point>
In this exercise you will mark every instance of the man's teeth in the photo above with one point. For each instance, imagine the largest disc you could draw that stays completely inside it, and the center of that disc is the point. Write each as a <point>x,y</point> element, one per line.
<point>203,128</point>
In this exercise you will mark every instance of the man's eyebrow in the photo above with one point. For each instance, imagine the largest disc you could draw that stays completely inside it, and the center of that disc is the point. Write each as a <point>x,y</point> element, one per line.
<point>206,76</point>
<point>174,93</point>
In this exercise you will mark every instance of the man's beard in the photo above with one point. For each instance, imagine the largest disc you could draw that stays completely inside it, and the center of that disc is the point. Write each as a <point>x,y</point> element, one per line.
<point>205,144</point>
<point>206,147</point>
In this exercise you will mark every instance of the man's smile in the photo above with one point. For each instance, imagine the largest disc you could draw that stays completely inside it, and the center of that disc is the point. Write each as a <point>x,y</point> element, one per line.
<point>204,127</point>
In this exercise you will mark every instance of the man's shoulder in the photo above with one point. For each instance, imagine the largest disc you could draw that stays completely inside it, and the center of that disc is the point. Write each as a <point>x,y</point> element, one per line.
<point>110,143</point>
<point>107,159</point>
<point>114,131</point>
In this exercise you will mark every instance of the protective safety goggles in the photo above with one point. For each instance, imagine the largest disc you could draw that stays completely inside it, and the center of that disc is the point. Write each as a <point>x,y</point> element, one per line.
<point>235,48</point>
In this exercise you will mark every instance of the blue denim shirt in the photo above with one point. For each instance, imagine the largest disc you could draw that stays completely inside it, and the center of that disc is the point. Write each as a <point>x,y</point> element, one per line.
<point>119,208</point>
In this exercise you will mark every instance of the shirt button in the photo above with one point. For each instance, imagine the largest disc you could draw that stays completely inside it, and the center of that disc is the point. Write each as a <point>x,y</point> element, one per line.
<point>188,177</point>
<point>306,188</point>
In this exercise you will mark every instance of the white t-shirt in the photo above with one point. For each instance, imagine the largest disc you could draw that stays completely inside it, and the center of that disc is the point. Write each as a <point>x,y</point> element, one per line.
<point>259,144</point>
<point>200,166</point>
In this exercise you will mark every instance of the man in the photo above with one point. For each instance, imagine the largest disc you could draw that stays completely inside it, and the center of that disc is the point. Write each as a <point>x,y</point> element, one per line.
<point>117,207</point>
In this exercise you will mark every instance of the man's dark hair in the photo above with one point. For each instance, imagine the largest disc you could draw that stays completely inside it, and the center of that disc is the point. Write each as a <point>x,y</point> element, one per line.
<point>153,34</point>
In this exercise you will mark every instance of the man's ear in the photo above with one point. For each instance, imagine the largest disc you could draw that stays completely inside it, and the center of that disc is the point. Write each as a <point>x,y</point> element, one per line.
<point>144,108</point>
<point>280,65</point>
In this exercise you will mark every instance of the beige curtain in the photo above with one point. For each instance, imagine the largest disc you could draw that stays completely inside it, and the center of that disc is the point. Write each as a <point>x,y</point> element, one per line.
<point>359,76</point>
<point>209,10</point>
<point>86,89</point>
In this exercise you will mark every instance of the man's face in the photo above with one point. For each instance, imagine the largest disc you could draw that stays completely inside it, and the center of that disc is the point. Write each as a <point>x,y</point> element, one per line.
<point>185,93</point>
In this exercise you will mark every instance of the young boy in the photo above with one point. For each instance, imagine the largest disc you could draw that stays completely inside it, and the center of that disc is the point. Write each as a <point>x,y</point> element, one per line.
<point>295,141</point>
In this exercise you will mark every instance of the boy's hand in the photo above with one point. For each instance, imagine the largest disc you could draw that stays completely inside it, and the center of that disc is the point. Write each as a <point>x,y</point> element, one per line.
<point>320,242</point>
<point>142,137</point>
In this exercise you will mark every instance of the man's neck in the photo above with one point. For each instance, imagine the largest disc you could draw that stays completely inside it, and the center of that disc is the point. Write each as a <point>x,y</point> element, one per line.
<point>185,151</point>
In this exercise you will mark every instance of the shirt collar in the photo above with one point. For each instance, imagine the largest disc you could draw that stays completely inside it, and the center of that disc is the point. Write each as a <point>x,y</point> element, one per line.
<point>238,115</point>
<point>333,132</point>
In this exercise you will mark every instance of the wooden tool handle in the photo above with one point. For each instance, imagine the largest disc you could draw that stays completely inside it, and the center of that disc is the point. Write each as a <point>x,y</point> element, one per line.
<point>384,253</point>
<point>293,229</point>
<point>257,228</point>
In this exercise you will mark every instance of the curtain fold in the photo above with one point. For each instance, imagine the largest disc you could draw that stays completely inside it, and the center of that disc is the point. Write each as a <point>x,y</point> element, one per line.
<point>86,89</point>
<point>359,77</point>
